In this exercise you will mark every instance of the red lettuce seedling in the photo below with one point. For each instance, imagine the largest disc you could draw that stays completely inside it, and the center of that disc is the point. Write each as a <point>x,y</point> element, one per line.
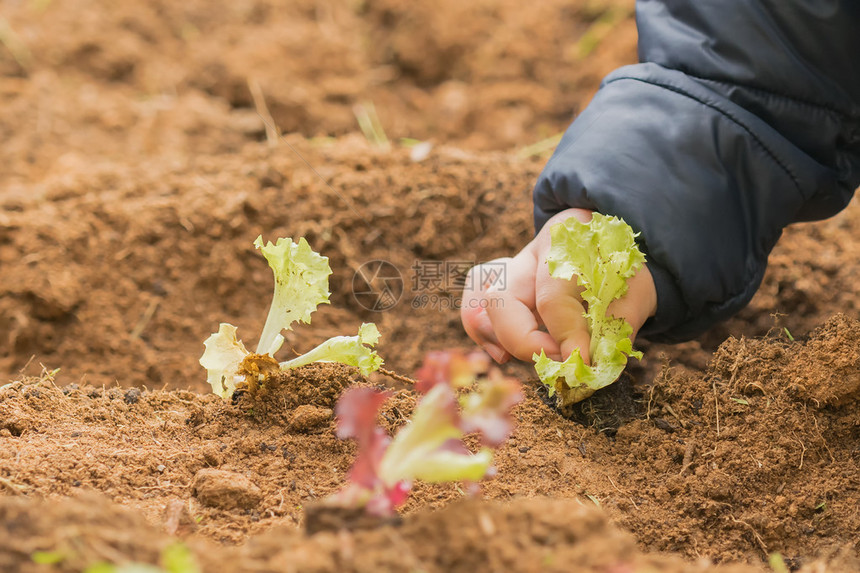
<point>487,408</point>
<point>455,402</point>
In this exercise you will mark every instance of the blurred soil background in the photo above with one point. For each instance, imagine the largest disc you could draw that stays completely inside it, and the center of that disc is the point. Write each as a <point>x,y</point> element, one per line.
<point>142,154</point>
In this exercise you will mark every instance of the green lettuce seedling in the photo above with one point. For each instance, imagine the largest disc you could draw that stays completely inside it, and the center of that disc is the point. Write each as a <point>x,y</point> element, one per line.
<point>301,284</point>
<point>603,256</point>
<point>352,350</point>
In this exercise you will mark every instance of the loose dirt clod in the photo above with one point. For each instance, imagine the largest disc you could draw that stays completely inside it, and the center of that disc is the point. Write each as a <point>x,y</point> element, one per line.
<point>306,418</point>
<point>177,519</point>
<point>225,489</point>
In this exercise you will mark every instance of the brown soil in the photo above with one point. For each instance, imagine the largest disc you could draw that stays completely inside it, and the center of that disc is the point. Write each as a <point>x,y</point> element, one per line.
<point>136,175</point>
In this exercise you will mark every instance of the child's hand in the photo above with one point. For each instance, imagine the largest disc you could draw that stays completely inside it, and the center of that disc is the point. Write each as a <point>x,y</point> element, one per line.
<point>505,319</point>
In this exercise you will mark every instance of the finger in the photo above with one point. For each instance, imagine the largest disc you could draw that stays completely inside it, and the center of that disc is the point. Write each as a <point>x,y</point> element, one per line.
<point>639,303</point>
<point>561,308</point>
<point>510,308</point>
<point>475,320</point>
<point>478,323</point>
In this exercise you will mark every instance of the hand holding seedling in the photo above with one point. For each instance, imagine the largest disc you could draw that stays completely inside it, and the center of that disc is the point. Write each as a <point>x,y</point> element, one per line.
<point>506,320</point>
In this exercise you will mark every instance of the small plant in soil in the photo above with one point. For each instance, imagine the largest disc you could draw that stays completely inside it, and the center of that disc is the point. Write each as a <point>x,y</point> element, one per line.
<point>603,256</point>
<point>301,285</point>
<point>175,558</point>
<point>461,395</point>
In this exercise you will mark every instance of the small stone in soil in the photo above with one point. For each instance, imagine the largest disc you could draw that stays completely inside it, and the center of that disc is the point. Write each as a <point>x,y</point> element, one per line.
<point>132,396</point>
<point>307,417</point>
<point>664,425</point>
<point>225,490</point>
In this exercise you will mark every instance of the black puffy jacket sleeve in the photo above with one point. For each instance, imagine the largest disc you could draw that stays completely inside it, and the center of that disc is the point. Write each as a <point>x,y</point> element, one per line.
<point>743,117</point>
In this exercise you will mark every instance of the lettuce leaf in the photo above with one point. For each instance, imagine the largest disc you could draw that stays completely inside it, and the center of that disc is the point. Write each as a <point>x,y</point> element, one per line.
<point>222,360</point>
<point>487,409</point>
<point>426,449</point>
<point>450,367</point>
<point>301,285</point>
<point>356,412</point>
<point>603,256</point>
<point>350,350</point>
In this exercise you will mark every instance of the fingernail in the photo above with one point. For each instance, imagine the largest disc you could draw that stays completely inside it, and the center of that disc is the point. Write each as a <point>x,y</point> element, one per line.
<point>496,353</point>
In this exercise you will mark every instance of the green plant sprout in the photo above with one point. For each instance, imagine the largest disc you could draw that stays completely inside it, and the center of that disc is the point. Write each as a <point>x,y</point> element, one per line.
<point>543,147</point>
<point>301,284</point>
<point>371,127</point>
<point>175,558</point>
<point>777,563</point>
<point>48,557</point>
